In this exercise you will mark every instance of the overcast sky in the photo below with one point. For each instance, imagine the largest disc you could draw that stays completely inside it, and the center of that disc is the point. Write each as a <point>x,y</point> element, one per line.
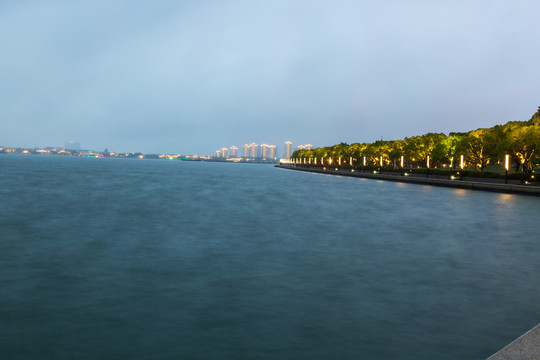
<point>195,76</point>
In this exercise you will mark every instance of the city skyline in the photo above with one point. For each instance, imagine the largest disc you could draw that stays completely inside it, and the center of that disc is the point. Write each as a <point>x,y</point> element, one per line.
<point>252,150</point>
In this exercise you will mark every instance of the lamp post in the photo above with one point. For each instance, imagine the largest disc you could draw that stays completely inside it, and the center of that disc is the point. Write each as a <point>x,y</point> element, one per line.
<point>401,163</point>
<point>364,164</point>
<point>427,166</point>
<point>461,167</point>
<point>506,167</point>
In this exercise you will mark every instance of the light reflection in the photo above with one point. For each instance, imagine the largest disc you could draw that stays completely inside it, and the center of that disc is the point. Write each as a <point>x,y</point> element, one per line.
<point>460,192</point>
<point>506,199</point>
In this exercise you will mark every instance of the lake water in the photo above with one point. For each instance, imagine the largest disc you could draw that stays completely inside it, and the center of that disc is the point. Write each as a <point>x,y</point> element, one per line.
<point>155,259</point>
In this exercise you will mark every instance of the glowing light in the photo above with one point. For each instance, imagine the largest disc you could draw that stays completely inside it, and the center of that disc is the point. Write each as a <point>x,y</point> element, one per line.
<point>350,161</point>
<point>461,162</point>
<point>401,160</point>
<point>381,160</point>
<point>507,162</point>
<point>364,161</point>
<point>427,162</point>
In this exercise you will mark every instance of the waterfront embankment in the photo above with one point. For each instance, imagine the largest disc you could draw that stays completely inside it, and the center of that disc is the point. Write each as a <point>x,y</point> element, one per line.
<point>526,346</point>
<point>469,184</point>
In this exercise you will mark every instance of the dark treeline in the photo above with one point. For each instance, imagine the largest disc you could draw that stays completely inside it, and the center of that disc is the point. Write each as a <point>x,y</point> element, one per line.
<point>519,139</point>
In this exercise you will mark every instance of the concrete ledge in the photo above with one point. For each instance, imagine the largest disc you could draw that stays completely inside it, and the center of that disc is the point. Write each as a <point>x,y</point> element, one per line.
<point>526,347</point>
<point>460,184</point>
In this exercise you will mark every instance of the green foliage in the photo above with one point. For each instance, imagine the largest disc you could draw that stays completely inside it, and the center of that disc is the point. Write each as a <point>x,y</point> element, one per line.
<point>519,139</point>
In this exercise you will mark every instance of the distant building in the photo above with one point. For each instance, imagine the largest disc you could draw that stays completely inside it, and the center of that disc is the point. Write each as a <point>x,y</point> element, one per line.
<point>72,145</point>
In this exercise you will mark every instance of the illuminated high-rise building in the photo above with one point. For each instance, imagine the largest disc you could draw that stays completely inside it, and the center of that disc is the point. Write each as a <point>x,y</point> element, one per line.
<point>233,151</point>
<point>272,148</point>
<point>246,147</point>
<point>288,149</point>
<point>253,146</point>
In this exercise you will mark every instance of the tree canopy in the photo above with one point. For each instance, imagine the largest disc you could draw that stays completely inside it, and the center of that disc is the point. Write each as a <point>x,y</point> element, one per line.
<point>480,147</point>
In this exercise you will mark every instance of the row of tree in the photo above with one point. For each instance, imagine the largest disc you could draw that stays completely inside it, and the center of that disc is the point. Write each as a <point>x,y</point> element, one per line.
<point>518,139</point>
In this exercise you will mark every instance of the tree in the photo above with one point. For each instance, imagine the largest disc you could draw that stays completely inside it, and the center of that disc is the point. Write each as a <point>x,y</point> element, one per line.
<point>525,144</point>
<point>479,146</point>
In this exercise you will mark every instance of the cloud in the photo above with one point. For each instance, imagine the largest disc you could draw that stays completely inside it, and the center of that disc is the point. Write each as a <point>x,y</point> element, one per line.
<point>195,76</point>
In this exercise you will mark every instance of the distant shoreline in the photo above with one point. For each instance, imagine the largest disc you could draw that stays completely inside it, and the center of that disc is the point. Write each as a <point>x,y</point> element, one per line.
<point>459,184</point>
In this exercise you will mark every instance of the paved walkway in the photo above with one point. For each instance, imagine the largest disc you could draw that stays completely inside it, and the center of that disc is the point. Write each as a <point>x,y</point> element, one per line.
<point>470,183</point>
<point>526,347</point>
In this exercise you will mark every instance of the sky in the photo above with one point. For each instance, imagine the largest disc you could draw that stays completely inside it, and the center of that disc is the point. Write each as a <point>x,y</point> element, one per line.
<point>192,77</point>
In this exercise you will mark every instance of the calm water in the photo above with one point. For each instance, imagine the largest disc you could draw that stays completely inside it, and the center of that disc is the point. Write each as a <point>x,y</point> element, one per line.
<point>144,259</point>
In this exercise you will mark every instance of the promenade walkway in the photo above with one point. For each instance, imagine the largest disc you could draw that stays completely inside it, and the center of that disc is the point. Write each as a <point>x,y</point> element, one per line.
<point>471,183</point>
<point>526,347</point>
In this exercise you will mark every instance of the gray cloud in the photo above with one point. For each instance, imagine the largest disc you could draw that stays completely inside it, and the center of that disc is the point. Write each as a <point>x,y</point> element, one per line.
<point>197,76</point>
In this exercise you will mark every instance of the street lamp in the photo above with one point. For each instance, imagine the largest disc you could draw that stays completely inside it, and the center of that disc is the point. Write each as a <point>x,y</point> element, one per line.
<point>427,166</point>
<point>506,167</point>
<point>364,164</point>
<point>461,167</point>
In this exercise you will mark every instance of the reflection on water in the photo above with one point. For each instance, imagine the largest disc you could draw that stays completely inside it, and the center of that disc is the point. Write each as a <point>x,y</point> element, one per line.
<point>108,258</point>
<point>461,192</point>
<point>506,199</point>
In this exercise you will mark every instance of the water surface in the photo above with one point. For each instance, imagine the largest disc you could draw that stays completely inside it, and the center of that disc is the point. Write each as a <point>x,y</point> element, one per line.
<point>139,259</point>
